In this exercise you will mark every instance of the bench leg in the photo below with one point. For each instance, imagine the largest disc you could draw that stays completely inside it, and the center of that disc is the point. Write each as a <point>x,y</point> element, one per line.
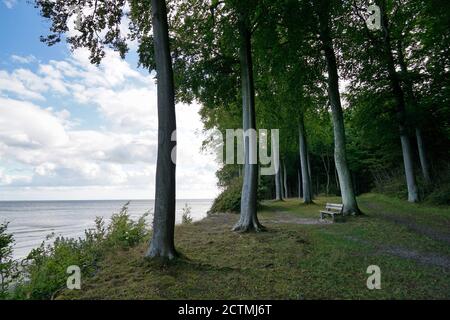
<point>333,217</point>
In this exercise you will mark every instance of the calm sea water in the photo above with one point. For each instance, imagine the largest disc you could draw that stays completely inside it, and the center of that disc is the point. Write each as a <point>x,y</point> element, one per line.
<point>31,221</point>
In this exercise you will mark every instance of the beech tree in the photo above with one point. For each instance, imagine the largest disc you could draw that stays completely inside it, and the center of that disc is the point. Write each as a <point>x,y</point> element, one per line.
<point>323,10</point>
<point>98,26</point>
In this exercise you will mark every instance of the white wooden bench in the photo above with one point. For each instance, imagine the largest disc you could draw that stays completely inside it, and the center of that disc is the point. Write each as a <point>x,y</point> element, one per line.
<point>332,209</point>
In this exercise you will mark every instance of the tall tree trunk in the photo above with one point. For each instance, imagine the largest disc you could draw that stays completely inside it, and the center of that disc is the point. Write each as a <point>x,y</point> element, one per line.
<point>423,156</point>
<point>306,181</point>
<point>412,100</point>
<point>286,190</point>
<point>248,220</point>
<point>276,162</point>
<point>278,193</point>
<point>162,243</point>
<point>413,195</point>
<point>281,177</point>
<point>327,171</point>
<point>309,172</point>
<point>340,153</point>
<point>300,191</point>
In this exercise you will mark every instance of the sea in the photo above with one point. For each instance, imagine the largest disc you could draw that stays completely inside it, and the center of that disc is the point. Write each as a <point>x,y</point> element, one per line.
<point>30,222</point>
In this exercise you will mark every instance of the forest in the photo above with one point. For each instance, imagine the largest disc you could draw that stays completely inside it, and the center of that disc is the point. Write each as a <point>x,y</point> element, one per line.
<point>359,91</point>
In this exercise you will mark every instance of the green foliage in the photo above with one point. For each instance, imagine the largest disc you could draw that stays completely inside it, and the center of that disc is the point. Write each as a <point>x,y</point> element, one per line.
<point>186,217</point>
<point>8,266</point>
<point>440,195</point>
<point>43,272</point>
<point>229,200</point>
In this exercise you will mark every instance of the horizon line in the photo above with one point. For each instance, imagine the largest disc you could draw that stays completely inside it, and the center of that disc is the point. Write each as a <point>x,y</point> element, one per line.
<point>48,200</point>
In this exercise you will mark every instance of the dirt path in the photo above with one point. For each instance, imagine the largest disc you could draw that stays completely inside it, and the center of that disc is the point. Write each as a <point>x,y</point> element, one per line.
<point>410,224</point>
<point>288,217</point>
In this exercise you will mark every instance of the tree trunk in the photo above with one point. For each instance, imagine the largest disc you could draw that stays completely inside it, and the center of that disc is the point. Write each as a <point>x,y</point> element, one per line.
<point>276,162</point>
<point>283,193</point>
<point>162,243</point>
<point>248,220</point>
<point>413,195</point>
<point>423,157</point>
<point>412,101</point>
<point>340,155</point>
<point>278,188</point>
<point>306,181</point>
<point>286,190</point>
<point>300,191</point>
<point>327,171</point>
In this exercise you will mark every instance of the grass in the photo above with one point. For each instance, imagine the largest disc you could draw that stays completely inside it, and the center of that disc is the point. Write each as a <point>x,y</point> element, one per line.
<point>291,260</point>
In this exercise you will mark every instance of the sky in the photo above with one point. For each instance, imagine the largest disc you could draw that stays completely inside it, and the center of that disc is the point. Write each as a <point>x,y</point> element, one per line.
<point>70,130</point>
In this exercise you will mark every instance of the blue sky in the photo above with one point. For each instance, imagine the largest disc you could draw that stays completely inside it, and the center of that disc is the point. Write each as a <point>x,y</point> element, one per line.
<point>71,130</point>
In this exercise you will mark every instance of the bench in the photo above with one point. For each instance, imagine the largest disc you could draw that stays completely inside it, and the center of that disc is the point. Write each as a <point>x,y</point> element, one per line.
<point>332,209</point>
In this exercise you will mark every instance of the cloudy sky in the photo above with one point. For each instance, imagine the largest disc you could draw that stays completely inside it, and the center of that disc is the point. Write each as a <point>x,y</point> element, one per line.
<point>71,130</point>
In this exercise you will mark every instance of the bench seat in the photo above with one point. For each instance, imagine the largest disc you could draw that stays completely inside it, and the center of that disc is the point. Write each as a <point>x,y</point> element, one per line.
<point>332,210</point>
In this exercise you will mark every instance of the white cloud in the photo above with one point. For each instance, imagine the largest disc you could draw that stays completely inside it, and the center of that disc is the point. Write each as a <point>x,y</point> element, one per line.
<point>11,84</point>
<point>23,59</point>
<point>49,152</point>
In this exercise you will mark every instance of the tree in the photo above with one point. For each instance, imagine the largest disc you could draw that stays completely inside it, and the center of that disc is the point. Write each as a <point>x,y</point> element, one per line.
<point>322,9</point>
<point>305,171</point>
<point>413,195</point>
<point>248,220</point>
<point>95,18</point>
<point>162,244</point>
<point>215,66</point>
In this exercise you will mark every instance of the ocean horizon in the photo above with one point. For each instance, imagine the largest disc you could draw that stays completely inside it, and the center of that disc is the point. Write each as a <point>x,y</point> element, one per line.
<point>31,221</point>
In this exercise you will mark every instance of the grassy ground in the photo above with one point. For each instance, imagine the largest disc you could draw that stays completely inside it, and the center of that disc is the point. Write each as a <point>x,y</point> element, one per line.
<point>298,258</point>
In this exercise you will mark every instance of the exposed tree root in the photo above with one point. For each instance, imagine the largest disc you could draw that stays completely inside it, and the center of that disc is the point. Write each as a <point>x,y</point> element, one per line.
<point>162,253</point>
<point>249,226</point>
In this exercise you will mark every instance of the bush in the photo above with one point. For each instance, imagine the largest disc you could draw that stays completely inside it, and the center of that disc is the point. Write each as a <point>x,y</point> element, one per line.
<point>440,195</point>
<point>8,266</point>
<point>229,200</point>
<point>186,218</point>
<point>44,270</point>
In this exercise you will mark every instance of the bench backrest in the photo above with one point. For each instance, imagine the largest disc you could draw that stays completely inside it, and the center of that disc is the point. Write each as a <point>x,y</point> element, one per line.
<point>334,207</point>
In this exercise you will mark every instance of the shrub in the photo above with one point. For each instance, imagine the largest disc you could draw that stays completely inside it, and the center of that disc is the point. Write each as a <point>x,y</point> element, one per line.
<point>440,195</point>
<point>43,271</point>
<point>186,218</point>
<point>8,266</point>
<point>229,200</point>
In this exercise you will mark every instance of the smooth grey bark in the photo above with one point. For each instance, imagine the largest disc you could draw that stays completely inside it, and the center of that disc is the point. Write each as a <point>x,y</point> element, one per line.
<point>397,91</point>
<point>326,166</point>
<point>423,156</point>
<point>309,172</point>
<point>412,100</point>
<point>278,195</point>
<point>300,189</point>
<point>276,162</point>
<point>304,164</point>
<point>162,243</point>
<point>286,190</point>
<point>340,153</point>
<point>280,177</point>
<point>248,220</point>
